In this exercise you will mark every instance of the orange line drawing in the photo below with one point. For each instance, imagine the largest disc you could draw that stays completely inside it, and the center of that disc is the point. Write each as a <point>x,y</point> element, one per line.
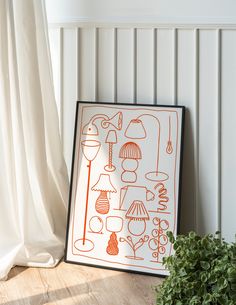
<point>116,121</point>
<point>84,246</point>
<point>135,246</point>
<point>153,175</point>
<point>169,147</point>
<point>76,204</point>
<point>103,185</point>
<point>163,199</point>
<point>159,240</point>
<point>112,247</point>
<point>90,150</point>
<point>137,215</point>
<point>135,130</point>
<point>114,224</point>
<point>130,152</point>
<point>119,263</point>
<point>96,225</point>
<point>129,193</point>
<point>91,129</point>
<point>111,139</point>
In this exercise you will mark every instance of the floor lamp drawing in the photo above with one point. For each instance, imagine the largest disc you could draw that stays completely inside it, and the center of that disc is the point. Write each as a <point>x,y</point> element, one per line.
<point>90,149</point>
<point>136,130</point>
<point>91,129</point>
<point>111,139</point>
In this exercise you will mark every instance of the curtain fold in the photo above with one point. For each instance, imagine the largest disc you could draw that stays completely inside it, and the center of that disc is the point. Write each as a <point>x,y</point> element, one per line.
<point>33,180</point>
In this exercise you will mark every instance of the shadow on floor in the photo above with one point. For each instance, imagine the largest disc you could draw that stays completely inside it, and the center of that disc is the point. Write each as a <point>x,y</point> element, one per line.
<point>15,272</point>
<point>125,288</point>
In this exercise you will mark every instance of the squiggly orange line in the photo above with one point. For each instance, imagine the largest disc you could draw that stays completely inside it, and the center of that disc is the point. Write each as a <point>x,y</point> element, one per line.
<point>162,196</point>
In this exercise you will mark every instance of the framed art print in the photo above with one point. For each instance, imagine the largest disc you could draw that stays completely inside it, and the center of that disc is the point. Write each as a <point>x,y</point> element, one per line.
<point>125,185</point>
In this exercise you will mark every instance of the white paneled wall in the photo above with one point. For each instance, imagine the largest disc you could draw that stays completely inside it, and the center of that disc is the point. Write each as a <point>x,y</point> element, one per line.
<point>189,65</point>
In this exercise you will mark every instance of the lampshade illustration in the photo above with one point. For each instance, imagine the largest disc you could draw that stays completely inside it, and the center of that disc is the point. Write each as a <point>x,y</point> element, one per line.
<point>155,175</point>
<point>135,130</point>
<point>137,215</point>
<point>130,152</point>
<point>110,139</point>
<point>103,185</point>
<point>90,150</point>
<point>91,129</point>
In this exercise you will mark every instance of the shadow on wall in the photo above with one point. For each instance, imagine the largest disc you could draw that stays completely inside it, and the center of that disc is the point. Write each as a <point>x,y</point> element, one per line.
<point>187,209</point>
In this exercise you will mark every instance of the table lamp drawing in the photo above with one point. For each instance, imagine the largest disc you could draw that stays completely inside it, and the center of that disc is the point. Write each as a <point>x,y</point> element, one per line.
<point>104,186</point>
<point>137,215</point>
<point>131,153</point>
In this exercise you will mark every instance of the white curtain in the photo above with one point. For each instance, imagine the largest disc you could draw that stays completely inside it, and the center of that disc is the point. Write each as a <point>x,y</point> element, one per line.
<point>33,177</point>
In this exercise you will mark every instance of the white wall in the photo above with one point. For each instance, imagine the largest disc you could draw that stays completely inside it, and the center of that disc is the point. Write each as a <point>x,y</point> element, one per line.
<point>190,11</point>
<point>192,65</point>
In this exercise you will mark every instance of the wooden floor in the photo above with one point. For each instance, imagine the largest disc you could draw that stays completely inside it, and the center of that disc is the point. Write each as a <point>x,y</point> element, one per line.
<point>73,284</point>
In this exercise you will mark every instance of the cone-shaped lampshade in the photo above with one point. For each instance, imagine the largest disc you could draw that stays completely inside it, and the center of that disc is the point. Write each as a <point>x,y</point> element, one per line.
<point>135,130</point>
<point>137,211</point>
<point>111,137</point>
<point>104,184</point>
<point>90,149</point>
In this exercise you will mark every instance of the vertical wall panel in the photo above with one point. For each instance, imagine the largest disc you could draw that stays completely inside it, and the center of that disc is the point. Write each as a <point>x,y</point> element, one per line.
<point>105,65</point>
<point>87,64</point>
<point>186,96</point>
<point>145,66</point>
<point>228,134</point>
<point>69,82</point>
<point>125,66</point>
<point>165,67</point>
<point>207,212</point>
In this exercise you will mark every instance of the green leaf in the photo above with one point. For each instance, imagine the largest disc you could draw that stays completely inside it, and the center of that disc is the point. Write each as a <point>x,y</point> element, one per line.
<point>205,265</point>
<point>202,272</point>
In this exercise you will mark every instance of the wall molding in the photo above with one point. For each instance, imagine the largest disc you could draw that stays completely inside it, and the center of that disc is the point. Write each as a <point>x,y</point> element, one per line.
<point>147,22</point>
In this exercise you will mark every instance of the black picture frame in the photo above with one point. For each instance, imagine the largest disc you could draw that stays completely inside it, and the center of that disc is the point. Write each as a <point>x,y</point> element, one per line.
<point>102,219</point>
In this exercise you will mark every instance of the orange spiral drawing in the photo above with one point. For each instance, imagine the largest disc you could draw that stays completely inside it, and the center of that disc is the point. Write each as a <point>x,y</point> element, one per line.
<point>163,199</point>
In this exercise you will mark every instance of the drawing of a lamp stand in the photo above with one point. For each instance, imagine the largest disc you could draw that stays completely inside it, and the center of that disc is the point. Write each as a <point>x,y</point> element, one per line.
<point>111,139</point>
<point>130,152</point>
<point>114,224</point>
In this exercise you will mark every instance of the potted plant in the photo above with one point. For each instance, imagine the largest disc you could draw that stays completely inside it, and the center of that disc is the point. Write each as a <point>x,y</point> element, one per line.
<point>202,272</point>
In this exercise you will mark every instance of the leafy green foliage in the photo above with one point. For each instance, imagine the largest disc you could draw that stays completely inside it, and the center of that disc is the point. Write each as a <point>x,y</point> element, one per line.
<point>202,272</point>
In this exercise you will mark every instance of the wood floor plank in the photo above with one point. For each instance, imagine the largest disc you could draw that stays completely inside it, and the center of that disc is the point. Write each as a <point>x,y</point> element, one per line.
<point>74,284</point>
